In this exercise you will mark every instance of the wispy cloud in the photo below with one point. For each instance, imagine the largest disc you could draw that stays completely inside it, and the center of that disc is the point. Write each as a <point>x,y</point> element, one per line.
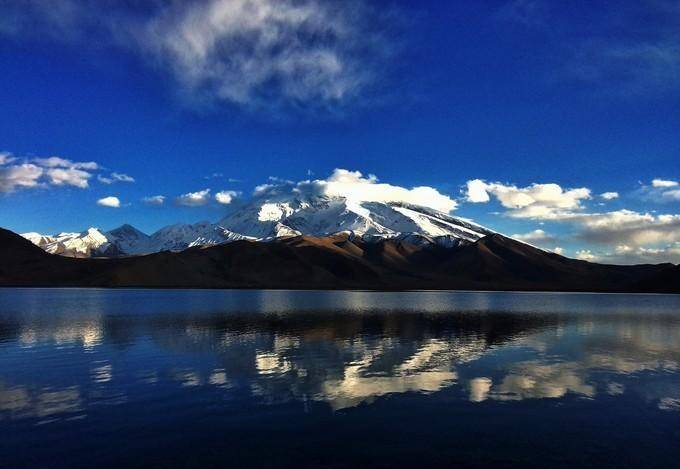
<point>660,191</point>
<point>254,54</point>
<point>17,173</point>
<point>154,200</point>
<point>632,50</point>
<point>6,158</point>
<point>25,173</point>
<point>636,69</point>
<point>20,176</point>
<point>115,177</point>
<point>629,56</point>
<point>58,162</point>
<point>68,177</point>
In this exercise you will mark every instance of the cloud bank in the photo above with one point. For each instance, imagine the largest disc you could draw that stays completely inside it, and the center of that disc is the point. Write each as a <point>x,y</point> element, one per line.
<point>540,201</point>
<point>357,188</point>
<point>26,173</point>
<point>660,191</point>
<point>627,236</point>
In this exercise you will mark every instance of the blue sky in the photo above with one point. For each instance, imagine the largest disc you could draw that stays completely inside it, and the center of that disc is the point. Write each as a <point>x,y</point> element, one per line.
<point>532,98</point>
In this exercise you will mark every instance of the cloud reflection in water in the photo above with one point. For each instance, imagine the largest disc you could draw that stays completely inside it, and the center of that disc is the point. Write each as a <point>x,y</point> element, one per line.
<point>341,357</point>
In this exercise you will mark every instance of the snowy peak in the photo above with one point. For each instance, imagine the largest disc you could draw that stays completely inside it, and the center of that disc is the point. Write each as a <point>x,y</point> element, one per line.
<point>323,215</point>
<point>89,243</point>
<point>182,236</point>
<point>274,217</point>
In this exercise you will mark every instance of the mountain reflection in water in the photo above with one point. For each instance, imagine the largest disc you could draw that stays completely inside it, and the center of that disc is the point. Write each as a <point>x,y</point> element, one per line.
<point>66,356</point>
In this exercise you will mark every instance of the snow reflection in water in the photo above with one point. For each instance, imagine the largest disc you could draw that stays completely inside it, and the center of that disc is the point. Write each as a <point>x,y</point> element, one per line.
<point>346,357</point>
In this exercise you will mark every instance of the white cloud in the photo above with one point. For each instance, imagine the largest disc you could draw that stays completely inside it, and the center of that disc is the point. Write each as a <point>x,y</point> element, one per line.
<point>627,227</point>
<point>476,191</point>
<point>535,237</point>
<point>357,188</point>
<point>23,173</point>
<point>115,177</point>
<point>625,254</point>
<point>259,52</point>
<point>110,201</point>
<point>6,158</point>
<point>479,389</point>
<point>154,200</point>
<point>558,250</point>
<point>303,54</point>
<point>673,195</point>
<point>586,255</point>
<point>20,177</point>
<point>660,190</point>
<point>68,177</point>
<point>647,234</point>
<point>225,197</point>
<point>664,183</point>
<point>538,201</point>
<point>194,199</point>
<point>58,162</point>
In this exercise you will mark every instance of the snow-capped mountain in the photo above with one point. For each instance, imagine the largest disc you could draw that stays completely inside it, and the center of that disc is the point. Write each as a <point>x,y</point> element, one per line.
<point>127,240</point>
<point>273,216</point>
<point>323,215</point>
<point>89,243</point>
<point>181,236</point>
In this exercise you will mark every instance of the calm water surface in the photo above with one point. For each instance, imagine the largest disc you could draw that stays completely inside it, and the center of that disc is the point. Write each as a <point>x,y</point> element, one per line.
<point>90,378</point>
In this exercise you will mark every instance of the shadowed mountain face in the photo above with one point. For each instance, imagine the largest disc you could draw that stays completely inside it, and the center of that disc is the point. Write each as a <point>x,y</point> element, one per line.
<point>493,262</point>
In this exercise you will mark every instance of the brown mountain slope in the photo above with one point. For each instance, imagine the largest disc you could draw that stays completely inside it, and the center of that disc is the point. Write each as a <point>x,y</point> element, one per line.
<point>334,262</point>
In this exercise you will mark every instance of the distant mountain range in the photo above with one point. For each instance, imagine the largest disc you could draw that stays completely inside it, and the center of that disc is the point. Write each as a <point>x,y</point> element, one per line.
<point>272,218</point>
<point>342,261</point>
<point>313,241</point>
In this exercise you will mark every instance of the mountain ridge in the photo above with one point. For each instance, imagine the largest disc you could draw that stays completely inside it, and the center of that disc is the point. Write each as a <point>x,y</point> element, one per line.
<point>270,218</point>
<point>493,262</point>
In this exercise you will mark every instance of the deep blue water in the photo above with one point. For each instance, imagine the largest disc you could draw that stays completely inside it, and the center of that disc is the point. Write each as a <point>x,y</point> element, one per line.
<point>95,378</point>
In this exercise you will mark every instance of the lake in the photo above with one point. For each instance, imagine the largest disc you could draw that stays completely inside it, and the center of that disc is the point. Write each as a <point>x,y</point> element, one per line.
<point>191,378</point>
